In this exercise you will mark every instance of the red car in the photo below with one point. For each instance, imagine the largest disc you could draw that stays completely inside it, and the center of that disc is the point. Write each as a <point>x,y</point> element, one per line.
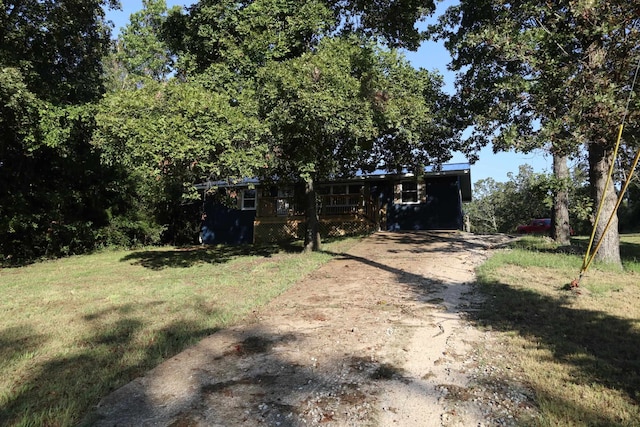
<point>536,226</point>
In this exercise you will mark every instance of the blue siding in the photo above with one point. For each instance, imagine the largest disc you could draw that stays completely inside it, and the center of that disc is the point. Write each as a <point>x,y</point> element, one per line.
<point>226,225</point>
<point>441,211</point>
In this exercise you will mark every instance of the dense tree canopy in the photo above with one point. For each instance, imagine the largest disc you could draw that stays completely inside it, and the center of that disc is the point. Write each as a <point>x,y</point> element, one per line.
<point>170,136</point>
<point>252,31</point>
<point>322,123</point>
<point>548,74</point>
<point>349,106</point>
<point>103,146</point>
<point>332,100</point>
<point>57,45</point>
<point>51,183</point>
<point>139,54</point>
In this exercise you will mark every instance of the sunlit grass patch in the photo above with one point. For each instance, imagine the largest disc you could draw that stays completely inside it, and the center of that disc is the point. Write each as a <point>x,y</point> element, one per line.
<point>630,252</point>
<point>534,243</point>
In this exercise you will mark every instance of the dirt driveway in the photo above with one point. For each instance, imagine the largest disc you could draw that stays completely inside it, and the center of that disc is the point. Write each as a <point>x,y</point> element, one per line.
<point>375,337</point>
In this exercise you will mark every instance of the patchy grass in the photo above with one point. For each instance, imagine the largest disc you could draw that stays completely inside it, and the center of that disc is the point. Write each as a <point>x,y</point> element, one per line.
<point>629,250</point>
<point>75,329</point>
<point>579,351</point>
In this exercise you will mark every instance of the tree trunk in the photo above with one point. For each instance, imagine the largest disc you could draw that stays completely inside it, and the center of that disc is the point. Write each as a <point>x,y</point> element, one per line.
<point>312,234</point>
<point>560,229</point>
<point>599,164</point>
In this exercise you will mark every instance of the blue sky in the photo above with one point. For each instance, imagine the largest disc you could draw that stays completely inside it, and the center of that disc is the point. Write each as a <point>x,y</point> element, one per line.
<point>431,56</point>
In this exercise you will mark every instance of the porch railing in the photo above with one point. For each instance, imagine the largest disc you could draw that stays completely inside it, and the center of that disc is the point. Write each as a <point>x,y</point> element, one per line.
<point>327,204</point>
<point>340,204</point>
<point>278,206</point>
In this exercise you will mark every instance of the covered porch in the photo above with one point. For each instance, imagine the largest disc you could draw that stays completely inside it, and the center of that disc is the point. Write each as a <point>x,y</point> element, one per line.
<point>343,209</point>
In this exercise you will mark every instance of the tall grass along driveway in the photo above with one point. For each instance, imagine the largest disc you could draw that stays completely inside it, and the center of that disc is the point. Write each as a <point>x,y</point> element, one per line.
<point>73,330</point>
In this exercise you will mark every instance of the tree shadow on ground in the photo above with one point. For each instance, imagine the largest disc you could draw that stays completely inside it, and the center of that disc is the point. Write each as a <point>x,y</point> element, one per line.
<point>432,241</point>
<point>629,251</point>
<point>271,388</point>
<point>293,393</point>
<point>19,342</point>
<point>58,390</point>
<point>158,259</point>
<point>600,348</point>
<point>418,243</point>
<point>597,347</point>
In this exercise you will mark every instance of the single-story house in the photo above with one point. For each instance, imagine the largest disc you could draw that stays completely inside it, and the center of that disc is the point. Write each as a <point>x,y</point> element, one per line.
<point>251,211</point>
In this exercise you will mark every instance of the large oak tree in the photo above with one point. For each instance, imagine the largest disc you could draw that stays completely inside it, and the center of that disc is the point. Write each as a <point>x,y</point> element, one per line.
<point>549,74</point>
<point>349,106</point>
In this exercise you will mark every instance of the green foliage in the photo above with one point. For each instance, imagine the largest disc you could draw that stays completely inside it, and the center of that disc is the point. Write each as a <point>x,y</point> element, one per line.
<point>318,116</point>
<point>243,36</point>
<point>333,100</point>
<point>172,135</point>
<point>248,34</point>
<point>349,105</point>
<point>124,232</point>
<point>180,131</point>
<point>391,20</point>
<point>554,75</point>
<point>52,187</point>
<point>139,53</point>
<point>57,45</point>
<point>54,192</point>
<point>499,207</point>
<point>413,115</point>
<point>581,207</point>
<point>629,211</point>
<point>537,73</point>
<point>66,190</point>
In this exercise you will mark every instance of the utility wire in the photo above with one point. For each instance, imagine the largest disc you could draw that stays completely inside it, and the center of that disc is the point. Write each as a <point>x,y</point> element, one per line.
<point>589,257</point>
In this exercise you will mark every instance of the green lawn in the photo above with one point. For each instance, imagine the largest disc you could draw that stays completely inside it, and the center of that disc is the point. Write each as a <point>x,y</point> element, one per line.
<point>74,329</point>
<point>579,351</point>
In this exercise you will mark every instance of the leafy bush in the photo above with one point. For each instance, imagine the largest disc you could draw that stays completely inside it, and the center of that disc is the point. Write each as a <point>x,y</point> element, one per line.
<point>125,232</point>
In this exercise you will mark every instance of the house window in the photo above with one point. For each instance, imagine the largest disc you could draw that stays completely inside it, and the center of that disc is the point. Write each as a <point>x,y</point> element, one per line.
<point>409,191</point>
<point>284,202</point>
<point>339,189</point>
<point>248,199</point>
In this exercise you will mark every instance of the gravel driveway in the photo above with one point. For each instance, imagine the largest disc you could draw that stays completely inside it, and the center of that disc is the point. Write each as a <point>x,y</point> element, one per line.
<point>377,336</point>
